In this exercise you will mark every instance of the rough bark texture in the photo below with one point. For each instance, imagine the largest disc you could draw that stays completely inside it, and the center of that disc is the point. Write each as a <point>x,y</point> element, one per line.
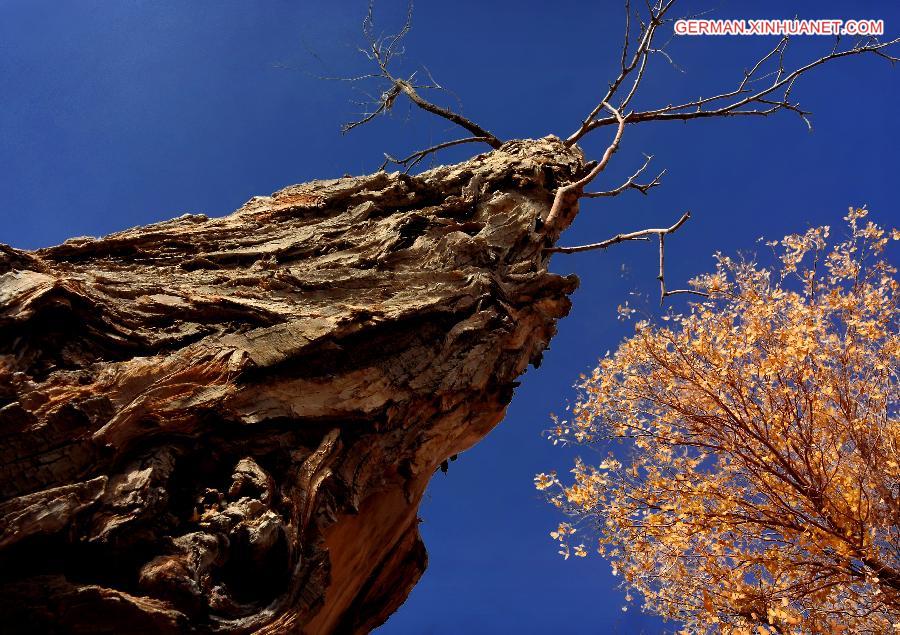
<point>227,424</point>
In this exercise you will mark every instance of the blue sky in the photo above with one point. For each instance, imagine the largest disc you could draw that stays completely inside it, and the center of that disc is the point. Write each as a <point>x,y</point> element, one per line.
<point>116,114</point>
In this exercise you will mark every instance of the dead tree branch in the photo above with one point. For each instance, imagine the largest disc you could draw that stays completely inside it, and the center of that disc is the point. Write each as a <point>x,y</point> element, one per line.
<point>741,101</point>
<point>630,183</point>
<point>642,234</point>
<point>747,99</point>
<point>638,61</point>
<point>411,161</point>
<point>381,51</point>
<point>663,292</point>
<point>567,195</point>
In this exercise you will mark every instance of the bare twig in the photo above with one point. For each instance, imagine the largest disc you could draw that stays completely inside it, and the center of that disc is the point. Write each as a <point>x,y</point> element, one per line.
<point>749,98</point>
<point>440,111</point>
<point>603,244</point>
<point>411,161</point>
<point>381,51</point>
<point>642,234</point>
<point>663,292</point>
<point>631,183</point>
<point>638,61</point>
<point>742,101</point>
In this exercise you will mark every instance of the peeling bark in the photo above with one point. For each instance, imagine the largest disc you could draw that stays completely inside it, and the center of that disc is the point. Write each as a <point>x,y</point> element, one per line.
<point>226,425</point>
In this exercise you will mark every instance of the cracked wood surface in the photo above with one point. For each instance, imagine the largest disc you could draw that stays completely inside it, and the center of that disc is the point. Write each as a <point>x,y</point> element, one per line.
<point>226,425</point>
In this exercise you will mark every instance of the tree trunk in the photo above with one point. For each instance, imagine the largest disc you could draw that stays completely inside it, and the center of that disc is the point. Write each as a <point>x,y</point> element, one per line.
<point>227,424</point>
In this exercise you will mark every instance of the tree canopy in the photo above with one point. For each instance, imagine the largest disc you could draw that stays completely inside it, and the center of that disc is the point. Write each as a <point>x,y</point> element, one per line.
<point>757,489</point>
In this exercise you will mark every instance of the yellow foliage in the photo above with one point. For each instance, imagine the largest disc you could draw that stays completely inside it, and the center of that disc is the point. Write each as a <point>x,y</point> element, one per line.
<point>761,488</point>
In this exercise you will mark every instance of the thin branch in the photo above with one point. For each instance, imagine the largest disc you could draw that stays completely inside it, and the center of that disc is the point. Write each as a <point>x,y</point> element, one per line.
<point>663,292</point>
<point>627,34</point>
<point>385,104</point>
<point>603,244</point>
<point>630,183</point>
<point>638,60</point>
<point>436,86</point>
<point>393,39</point>
<point>458,119</point>
<point>643,234</point>
<point>381,51</point>
<point>662,51</point>
<point>743,101</point>
<point>567,195</point>
<point>411,161</point>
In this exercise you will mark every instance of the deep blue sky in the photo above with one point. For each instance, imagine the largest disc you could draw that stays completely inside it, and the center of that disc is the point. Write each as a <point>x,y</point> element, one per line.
<point>116,114</point>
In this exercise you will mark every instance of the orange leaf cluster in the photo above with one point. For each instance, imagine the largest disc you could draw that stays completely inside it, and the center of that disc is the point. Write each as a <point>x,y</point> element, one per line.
<point>760,487</point>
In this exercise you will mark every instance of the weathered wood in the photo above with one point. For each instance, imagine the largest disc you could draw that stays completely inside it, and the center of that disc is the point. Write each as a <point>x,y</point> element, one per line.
<point>227,424</point>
